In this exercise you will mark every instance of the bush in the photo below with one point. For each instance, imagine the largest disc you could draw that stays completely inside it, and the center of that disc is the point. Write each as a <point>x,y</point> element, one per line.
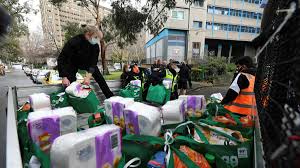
<point>231,67</point>
<point>212,69</point>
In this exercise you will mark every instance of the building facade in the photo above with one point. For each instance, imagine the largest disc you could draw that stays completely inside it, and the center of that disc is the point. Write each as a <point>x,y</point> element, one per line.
<point>206,28</point>
<point>53,19</point>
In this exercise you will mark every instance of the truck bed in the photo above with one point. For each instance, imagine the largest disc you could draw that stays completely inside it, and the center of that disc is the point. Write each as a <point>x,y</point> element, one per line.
<point>18,95</point>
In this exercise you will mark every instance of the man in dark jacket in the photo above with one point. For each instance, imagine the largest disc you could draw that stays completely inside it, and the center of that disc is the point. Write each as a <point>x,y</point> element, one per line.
<point>184,74</point>
<point>81,52</point>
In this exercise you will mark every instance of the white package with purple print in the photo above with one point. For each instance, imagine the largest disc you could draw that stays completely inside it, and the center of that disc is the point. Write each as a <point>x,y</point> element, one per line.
<point>142,119</point>
<point>114,109</point>
<point>173,112</point>
<point>98,147</point>
<point>45,126</point>
<point>195,104</point>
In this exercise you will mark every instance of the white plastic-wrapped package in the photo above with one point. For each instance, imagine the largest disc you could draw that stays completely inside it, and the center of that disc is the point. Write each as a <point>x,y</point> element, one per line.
<point>142,119</point>
<point>114,109</point>
<point>45,126</point>
<point>195,104</point>
<point>217,96</point>
<point>94,147</point>
<point>167,84</point>
<point>76,89</point>
<point>136,83</point>
<point>173,112</point>
<point>40,101</point>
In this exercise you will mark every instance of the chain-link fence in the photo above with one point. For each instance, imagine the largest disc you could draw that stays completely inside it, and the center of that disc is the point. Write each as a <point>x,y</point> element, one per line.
<point>278,86</point>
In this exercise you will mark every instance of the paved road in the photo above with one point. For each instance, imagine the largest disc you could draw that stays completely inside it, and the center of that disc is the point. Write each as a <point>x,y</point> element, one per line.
<point>14,78</point>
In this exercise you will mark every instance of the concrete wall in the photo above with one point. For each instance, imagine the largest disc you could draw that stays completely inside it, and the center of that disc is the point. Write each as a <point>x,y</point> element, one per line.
<point>197,35</point>
<point>178,24</point>
<point>236,5</point>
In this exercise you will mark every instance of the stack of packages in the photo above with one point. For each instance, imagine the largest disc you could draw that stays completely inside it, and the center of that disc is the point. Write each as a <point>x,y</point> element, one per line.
<point>183,133</point>
<point>47,129</point>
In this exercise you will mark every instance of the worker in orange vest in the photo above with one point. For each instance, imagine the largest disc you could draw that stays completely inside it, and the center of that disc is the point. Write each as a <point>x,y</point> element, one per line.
<point>240,97</point>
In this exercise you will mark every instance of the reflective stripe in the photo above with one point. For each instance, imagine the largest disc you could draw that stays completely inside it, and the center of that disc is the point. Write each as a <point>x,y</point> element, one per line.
<point>241,105</point>
<point>247,93</point>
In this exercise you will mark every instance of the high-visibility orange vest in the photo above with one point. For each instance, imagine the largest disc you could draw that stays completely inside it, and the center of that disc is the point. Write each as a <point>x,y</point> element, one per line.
<point>245,102</point>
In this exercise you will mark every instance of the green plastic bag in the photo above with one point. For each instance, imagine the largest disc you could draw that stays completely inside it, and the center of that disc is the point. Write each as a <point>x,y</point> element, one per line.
<point>24,140</point>
<point>157,94</point>
<point>97,118</point>
<point>131,91</point>
<point>90,104</point>
<point>158,144</point>
<point>59,100</point>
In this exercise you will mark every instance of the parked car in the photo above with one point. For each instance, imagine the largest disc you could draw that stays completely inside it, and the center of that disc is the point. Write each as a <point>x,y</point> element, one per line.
<point>41,76</point>
<point>17,66</point>
<point>117,66</point>
<point>52,77</point>
<point>34,74</point>
<point>27,71</point>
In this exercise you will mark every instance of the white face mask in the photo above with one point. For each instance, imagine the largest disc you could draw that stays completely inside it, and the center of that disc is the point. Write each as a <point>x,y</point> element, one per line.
<point>94,41</point>
<point>177,70</point>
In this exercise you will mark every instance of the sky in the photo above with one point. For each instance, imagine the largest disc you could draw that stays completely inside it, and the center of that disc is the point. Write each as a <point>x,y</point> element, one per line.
<point>34,20</point>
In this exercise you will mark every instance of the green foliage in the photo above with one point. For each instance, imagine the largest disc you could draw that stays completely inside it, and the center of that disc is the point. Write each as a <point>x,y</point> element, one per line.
<point>212,69</point>
<point>71,30</point>
<point>58,3</point>
<point>113,76</point>
<point>231,67</point>
<point>216,65</point>
<point>10,50</point>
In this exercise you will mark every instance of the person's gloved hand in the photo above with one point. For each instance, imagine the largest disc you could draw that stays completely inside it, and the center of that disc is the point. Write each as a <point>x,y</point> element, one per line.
<point>65,81</point>
<point>86,81</point>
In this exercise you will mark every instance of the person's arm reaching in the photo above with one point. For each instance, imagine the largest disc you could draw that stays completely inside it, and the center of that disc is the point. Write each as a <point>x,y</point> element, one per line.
<point>240,82</point>
<point>92,65</point>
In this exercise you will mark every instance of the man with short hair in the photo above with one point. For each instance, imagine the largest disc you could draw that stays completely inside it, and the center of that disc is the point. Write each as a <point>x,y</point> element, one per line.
<point>82,52</point>
<point>240,97</point>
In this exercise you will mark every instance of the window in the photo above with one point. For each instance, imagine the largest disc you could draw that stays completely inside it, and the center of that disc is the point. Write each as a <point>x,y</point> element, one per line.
<point>198,3</point>
<point>178,15</point>
<point>197,24</point>
<point>196,49</point>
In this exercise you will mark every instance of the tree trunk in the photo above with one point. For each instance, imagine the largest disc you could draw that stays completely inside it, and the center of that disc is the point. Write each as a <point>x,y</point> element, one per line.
<point>103,58</point>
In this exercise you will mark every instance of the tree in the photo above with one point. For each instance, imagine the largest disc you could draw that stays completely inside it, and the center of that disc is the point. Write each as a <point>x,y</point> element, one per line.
<point>93,6</point>
<point>10,50</point>
<point>35,49</point>
<point>71,30</point>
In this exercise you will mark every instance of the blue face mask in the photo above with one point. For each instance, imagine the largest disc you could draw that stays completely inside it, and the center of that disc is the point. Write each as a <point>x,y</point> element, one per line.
<point>93,41</point>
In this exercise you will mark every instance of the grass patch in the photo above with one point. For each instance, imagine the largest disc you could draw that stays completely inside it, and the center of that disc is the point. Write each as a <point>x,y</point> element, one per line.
<point>112,76</point>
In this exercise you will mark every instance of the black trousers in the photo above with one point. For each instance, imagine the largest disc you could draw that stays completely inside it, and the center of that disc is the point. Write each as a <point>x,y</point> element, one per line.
<point>99,79</point>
